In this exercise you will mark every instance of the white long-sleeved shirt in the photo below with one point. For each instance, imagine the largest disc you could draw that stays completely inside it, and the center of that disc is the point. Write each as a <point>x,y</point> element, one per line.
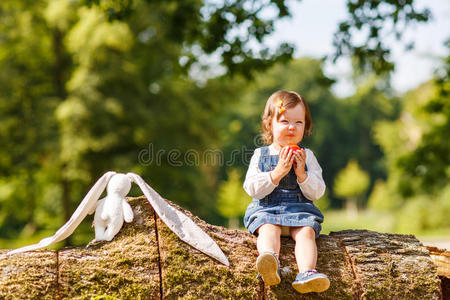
<point>258,184</point>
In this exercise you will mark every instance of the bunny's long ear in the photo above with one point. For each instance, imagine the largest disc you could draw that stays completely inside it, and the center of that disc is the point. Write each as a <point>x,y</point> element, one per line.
<point>179,223</point>
<point>86,206</point>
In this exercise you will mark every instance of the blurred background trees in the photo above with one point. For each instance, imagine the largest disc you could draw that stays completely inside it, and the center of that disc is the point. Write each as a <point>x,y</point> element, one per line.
<point>351,183</point>
<point>174,91</point>
<point>232,200</point>
<point>417,153</point>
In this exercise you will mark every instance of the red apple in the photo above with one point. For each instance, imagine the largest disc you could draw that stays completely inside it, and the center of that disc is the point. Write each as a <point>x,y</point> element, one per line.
<point>294,147</point>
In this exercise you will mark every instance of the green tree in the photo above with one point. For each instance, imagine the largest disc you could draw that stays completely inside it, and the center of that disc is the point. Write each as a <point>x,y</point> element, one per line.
<point>351,183</point>
<point>417,156</point>
<point>373,21</point>
<point>207,28</point>
<point>380,199</point>
<point>232,199</point>
<point>31,74</point>
<point>429,162</point>
<point>215,26</point>
<point>372,102</point>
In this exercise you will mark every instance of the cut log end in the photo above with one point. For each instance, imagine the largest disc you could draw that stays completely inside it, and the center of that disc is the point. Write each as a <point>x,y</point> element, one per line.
<point>441,258</point>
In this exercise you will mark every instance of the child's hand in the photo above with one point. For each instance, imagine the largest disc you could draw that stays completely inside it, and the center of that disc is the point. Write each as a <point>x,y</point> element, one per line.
<point>299,166</point>
<point>285,161</point>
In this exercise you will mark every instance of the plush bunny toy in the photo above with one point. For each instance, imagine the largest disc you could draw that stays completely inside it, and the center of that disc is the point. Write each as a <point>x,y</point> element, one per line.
<point>112,210</point>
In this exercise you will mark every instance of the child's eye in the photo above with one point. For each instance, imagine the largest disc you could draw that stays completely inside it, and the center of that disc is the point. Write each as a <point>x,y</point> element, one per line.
<point>299,122</point>
<point>284,121</point>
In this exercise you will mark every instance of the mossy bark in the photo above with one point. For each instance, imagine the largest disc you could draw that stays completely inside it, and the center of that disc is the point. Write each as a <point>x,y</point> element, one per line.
<point>389,265</point>
<point>148,261</point>
<point>31,275</point>
<point>189,274</point>
<point>125,268</point>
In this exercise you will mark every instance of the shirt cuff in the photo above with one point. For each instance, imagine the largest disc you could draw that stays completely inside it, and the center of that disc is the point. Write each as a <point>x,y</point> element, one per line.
<point>269,179</point>
<point>304,181</point>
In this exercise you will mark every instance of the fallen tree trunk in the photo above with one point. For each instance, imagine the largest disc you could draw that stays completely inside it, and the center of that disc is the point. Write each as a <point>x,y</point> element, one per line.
<point>147,261</point>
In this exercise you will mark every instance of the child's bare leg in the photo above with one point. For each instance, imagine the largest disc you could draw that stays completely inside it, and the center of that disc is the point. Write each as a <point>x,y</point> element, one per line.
<point>268,245</point>
<point>308,279</point>
<point>305,247</point>
<point>269,239</point>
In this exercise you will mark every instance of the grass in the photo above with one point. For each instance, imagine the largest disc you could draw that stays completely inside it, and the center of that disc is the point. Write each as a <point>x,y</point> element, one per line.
<point>336,220</point>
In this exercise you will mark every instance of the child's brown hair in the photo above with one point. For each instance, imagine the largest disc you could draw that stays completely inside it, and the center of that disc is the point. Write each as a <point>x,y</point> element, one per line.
<point>289,99</point>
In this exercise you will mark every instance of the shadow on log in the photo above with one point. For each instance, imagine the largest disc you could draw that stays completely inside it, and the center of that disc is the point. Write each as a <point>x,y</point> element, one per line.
<point>147,261</point>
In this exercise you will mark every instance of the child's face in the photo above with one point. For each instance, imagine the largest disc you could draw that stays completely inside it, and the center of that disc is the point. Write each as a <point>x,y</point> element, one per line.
<point>290,127</point>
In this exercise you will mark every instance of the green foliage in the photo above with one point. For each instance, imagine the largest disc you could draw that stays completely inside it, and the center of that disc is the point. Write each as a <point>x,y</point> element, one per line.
<point>407,138</point>
<point>429,162</point>
<point>370,104</point>
<point>230,27</point>
<point>232,200</point>
<point>78,98</point>
<point>336,220</point>
<point>208,27</point>
<point>380,199</point>
<point>351,181</point>
<point>372,21</point>
<point>417,157</point>
<point>323,203</point>
<point>27,99</point>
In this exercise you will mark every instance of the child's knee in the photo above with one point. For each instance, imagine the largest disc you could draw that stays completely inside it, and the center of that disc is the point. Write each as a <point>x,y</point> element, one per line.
<point>305,232</point>
<point>269,229</point>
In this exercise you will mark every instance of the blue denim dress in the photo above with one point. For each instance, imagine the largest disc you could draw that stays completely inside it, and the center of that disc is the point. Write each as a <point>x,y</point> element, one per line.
<point>285,206</point>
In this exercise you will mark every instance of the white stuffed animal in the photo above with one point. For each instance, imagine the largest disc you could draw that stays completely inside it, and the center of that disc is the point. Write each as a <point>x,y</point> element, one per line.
<point>112,210</point>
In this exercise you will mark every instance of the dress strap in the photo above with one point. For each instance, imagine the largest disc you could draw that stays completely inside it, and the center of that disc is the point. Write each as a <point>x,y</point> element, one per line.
<point>263,158</point>
<point>265,151</point>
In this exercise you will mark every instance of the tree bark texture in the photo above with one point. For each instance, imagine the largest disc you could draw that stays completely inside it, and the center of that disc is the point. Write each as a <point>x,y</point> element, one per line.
<point>147,261</point>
